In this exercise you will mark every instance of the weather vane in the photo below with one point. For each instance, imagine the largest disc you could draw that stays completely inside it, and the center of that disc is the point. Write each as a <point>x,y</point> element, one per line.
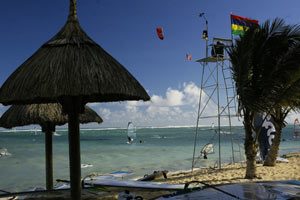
<point>205,32</point>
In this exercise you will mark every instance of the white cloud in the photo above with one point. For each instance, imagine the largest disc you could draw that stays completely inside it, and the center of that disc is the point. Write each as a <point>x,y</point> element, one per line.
<point>138,103</point>
<point>93,104</point>
<point>157,100</point>
<point>175,108</point>
<point>192,93</point>
<point>154,111</point>
<point>104,113</point>
<point>131,108</point>
<point>174,97</point>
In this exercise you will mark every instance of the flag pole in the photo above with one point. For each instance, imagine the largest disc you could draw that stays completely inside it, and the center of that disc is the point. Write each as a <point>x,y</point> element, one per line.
<point>231,30</point>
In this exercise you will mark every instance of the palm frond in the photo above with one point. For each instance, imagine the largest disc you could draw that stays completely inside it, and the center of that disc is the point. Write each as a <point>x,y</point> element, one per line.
<point>266,66</point>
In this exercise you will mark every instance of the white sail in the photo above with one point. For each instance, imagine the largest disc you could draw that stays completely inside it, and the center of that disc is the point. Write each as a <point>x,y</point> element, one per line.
<point>207,149</point>
<point>4,152</point>
<point>296,129</point>
<point>131,132</point>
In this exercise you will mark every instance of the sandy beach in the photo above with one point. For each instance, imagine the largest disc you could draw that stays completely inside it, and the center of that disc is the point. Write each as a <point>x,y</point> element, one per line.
<point>230,173</point>
<point>234,173</point>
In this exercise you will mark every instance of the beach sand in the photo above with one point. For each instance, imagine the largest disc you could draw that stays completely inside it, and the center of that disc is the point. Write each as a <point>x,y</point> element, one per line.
<point>235,173</point>
<point>230,173</point>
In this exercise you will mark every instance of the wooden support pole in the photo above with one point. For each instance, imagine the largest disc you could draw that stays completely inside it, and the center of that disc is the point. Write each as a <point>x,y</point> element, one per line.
<point>48,129</point>
<point>73,107</point>
<point>74,155</point>
<point>49,160</point>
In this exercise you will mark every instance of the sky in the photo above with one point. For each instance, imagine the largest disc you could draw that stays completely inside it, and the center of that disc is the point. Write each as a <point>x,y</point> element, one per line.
<point>127,31</point>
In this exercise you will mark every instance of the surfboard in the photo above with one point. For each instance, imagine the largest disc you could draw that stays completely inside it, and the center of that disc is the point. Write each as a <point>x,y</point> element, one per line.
<point>120,173</point>
<point>282,160</point>
<point>105,182</point>
<point>254,190</point>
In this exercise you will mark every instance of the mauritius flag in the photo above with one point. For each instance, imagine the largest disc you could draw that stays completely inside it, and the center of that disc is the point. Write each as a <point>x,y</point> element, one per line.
<point>240,24</point>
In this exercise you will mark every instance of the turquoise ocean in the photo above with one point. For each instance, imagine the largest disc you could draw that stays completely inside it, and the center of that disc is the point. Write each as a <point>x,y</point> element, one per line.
<point>107,151</point>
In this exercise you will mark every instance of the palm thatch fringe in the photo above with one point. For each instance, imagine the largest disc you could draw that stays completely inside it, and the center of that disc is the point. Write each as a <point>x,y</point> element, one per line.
<point>42,114</point>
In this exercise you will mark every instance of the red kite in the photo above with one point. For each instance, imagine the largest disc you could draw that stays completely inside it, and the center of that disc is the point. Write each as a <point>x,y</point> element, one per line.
<point>160,33</point>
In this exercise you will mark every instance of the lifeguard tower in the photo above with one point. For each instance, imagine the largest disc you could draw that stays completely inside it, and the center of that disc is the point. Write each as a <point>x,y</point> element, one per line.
<point>218,87</point>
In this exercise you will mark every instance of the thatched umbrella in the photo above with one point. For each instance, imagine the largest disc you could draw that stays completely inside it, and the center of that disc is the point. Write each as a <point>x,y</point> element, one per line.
<point>47,116</point>
<point>71,69</point>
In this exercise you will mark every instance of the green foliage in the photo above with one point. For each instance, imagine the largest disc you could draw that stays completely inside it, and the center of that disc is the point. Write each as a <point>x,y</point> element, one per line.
<point>266,69</point>
<point>266,66</point>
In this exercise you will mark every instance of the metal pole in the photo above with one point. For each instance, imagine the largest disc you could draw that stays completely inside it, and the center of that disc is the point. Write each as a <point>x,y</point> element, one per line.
<point>206,42</point>
<point>198,118</point>
<point>228,108</point>
<point>201,87</point>
<point>200,95</point>
<point>219,120</point>
<point>232,149</point>
<point>231,30</point>
<point>206,38</point>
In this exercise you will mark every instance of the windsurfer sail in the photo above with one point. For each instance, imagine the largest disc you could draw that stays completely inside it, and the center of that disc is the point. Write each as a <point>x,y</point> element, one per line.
<point>296,129</point>
<point>267,133</point>
<point>207,149</point>
<point>4,152</point>
<point>131,133</point>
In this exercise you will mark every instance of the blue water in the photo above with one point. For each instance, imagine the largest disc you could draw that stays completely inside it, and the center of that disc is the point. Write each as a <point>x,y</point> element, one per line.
<point>162,149</point>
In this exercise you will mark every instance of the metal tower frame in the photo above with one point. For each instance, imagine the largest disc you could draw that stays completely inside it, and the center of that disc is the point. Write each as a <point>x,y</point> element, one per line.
<point>217,84</point>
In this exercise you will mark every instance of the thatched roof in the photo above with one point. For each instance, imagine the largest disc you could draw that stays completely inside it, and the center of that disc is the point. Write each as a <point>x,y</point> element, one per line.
<point>70,64</point>
<point>71,69</point>
<point>42,114</point>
